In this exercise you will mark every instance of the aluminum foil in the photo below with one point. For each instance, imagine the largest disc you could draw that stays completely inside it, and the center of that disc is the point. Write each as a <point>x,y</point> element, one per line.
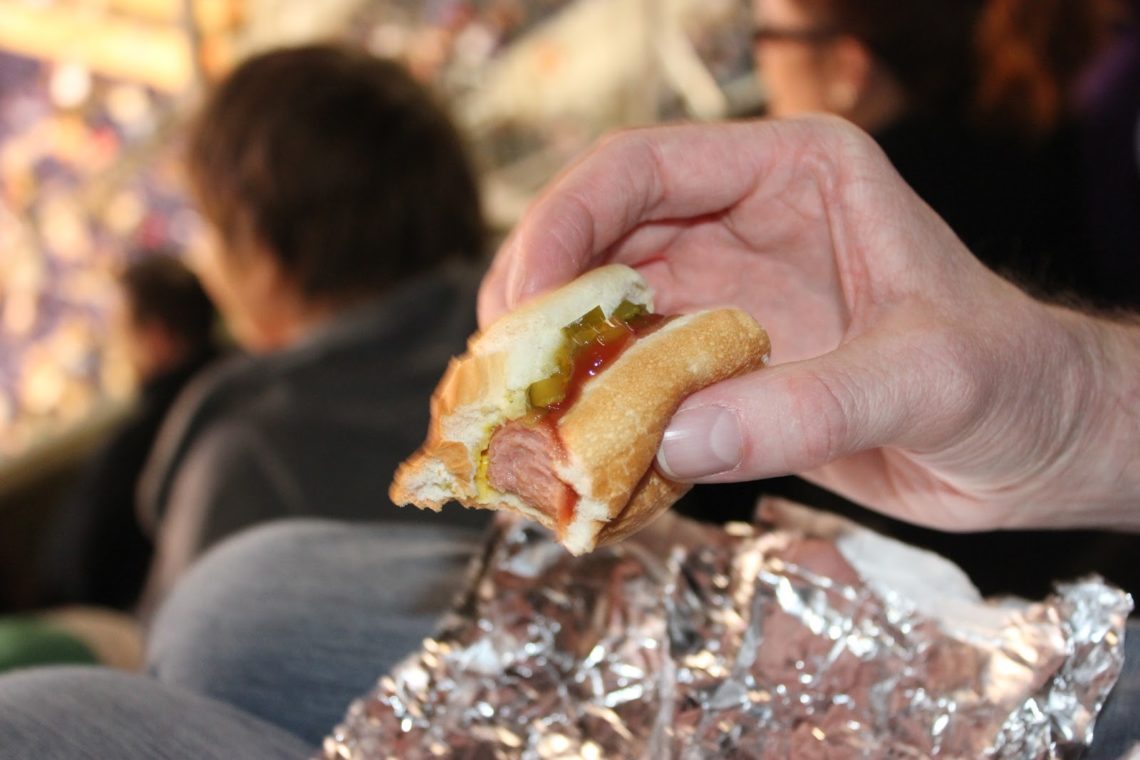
<point>800,637</point>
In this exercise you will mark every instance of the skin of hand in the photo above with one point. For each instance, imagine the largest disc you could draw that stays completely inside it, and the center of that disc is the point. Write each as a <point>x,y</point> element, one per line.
<point>905,375</point>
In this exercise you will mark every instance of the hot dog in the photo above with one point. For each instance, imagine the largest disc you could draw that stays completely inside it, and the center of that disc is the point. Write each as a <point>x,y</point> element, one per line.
<point>557,409</point>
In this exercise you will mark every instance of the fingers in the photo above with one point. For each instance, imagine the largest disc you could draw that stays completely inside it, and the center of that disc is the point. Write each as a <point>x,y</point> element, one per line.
<point>630,179</point>
<point>492,299</point>
<point>792,418</point>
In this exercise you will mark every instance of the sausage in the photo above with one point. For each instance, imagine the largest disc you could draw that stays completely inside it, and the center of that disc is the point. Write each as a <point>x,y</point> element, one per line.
<point>521,460</point>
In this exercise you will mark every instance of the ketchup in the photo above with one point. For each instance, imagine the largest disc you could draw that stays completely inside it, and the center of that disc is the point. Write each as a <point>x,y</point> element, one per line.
<point>566,510</point>
<point>588,362</point>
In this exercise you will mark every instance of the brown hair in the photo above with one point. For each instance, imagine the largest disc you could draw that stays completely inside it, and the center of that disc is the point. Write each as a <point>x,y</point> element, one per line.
<point>341,164</point>
<point>1004,63</point>
<point>158,288</point>
<point>1030,54</point>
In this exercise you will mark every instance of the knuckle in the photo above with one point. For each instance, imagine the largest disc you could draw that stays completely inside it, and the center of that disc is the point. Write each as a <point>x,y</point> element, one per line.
<point>957,360</point>
<point>820,419</point>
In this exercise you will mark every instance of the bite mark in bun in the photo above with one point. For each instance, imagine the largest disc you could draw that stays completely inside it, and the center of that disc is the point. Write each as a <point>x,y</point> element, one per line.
<point>557,409</point>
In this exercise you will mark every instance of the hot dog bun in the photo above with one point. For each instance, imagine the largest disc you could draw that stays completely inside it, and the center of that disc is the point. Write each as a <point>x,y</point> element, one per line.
<point>610,434</point>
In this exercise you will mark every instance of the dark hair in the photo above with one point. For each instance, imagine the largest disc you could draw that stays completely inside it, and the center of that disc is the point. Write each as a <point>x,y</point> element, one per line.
<point>1003,63</point>
<point>159,288</point>
<point>341,164</point>
<point>1031,53</point>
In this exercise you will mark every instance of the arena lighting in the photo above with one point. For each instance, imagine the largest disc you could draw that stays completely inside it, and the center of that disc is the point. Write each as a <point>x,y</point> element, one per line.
<point>210,15</point>
<point>142,41</point>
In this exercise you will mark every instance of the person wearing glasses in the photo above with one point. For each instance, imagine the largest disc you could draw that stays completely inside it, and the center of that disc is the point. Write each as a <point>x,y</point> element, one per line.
<point>346,244</point>
<point>968,98</point>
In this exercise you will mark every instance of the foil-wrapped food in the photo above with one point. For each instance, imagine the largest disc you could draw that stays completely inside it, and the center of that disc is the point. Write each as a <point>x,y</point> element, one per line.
<point>803,636</point>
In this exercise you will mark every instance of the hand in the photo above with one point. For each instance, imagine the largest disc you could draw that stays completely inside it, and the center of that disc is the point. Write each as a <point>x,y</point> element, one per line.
<point>905,375</point>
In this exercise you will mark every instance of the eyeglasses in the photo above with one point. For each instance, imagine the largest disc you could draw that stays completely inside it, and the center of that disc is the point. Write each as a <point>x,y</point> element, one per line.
<point>768,33</point>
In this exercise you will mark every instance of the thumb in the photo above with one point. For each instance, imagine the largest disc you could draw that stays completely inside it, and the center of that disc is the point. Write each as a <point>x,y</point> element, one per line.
<point>785,419</point>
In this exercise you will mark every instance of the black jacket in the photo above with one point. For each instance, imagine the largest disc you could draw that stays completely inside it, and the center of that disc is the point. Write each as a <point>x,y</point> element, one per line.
<point>1017,206</point>
<point>96,551</point>
<point>316,429</point>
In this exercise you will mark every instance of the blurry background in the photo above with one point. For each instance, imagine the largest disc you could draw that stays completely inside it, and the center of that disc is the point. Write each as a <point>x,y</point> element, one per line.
<point>92,93</point>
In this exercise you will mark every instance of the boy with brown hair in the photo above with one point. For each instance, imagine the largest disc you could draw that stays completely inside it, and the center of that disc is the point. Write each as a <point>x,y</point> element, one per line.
<point>346,242</point>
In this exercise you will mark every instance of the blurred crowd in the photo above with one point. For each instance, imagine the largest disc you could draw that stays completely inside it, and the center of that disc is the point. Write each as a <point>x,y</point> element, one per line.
<point>89,172</point>
<point>448,37</point>
<point>82,183</point>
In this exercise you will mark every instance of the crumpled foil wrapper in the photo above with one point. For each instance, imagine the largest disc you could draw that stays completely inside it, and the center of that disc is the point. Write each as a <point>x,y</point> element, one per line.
<point>803,636</point>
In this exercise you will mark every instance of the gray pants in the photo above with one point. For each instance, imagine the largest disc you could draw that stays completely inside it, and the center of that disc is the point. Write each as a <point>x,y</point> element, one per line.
<point>240,673</point>
<point>257,653</point>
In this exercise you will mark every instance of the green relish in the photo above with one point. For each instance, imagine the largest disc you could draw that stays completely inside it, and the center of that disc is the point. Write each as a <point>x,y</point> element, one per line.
<point>593,330</point>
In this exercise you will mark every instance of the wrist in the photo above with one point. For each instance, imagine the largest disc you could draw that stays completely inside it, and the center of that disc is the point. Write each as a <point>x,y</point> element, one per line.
<point>1095,475</point>
<point>1119,406</point>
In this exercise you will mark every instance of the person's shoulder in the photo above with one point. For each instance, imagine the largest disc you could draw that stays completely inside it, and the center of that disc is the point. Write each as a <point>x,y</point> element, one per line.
<point>397,332</point>
<point>228,443</point>
<point>443,301</point>
<point>216,394</point>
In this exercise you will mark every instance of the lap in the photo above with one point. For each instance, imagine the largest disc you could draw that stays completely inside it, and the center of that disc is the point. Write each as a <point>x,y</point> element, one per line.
<point>291,621</point>
<point>74,713</point>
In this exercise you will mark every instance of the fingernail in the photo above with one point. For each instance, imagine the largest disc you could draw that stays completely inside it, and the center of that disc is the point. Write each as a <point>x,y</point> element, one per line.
<point>700,442</point>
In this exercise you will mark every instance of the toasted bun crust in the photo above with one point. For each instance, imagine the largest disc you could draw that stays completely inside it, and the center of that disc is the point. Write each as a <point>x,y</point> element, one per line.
<point>610,435</point>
